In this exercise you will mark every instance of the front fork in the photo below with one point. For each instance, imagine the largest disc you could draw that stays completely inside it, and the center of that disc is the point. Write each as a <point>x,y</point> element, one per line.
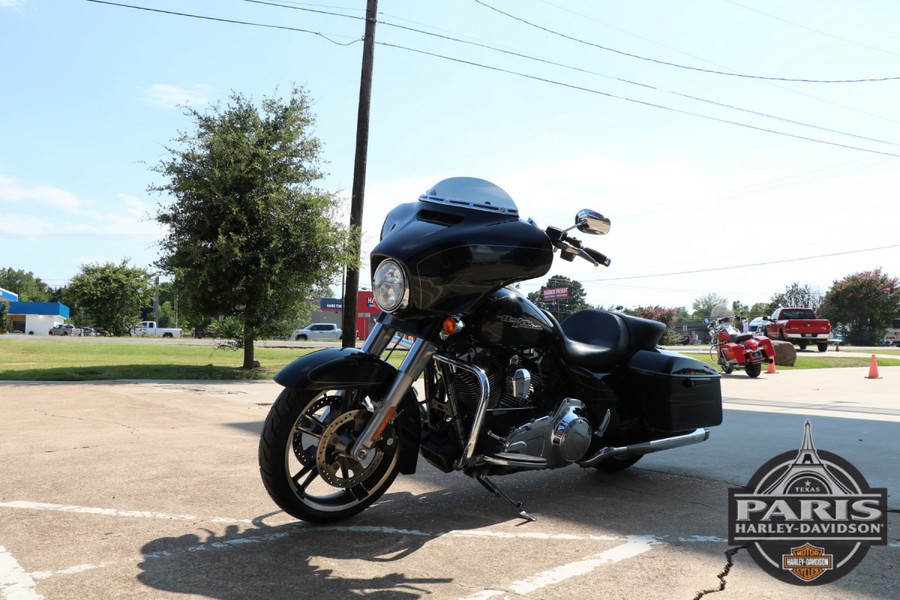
<point>417,358</point>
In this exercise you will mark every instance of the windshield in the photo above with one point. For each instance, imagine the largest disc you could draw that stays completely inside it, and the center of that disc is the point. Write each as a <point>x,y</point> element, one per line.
<point>469,192</point>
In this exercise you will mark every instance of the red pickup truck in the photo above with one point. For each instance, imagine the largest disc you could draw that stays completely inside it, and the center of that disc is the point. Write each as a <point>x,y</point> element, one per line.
<point>799,326</point>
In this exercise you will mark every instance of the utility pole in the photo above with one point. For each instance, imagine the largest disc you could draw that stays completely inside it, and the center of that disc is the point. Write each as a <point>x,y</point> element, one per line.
<point>348,321</point>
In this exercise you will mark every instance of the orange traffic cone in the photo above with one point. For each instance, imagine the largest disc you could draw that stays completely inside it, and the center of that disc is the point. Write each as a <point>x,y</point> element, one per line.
<point>873,369</point>
<point>837,347</point>
<point>770,370</point>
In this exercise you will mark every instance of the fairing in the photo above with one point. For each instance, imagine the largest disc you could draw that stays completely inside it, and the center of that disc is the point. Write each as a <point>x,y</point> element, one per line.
<point>456,251</point>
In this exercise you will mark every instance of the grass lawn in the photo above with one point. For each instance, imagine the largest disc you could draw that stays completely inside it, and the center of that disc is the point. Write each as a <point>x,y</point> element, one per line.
<point>85,360</point>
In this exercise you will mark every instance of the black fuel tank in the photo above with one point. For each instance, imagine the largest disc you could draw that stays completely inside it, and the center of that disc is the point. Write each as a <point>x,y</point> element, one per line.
<point>509,319</point>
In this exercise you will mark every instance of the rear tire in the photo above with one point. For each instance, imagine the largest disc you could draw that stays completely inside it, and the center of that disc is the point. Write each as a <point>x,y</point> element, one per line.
<point>822,346</point>
<point>618,463</point>
<point>753,369</point>
<point>303,457</point>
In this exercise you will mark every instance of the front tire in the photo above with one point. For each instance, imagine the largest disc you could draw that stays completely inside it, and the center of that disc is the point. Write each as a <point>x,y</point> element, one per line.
<point>303,456</point>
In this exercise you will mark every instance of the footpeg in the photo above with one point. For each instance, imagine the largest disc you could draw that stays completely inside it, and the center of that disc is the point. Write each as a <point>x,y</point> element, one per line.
<point>518,506</point>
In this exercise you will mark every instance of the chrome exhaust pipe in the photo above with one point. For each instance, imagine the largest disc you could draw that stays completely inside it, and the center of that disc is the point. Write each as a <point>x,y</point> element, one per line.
<point>695,437</point>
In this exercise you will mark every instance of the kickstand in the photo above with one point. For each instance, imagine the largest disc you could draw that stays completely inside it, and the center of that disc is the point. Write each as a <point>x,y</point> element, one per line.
<point>518,506</point>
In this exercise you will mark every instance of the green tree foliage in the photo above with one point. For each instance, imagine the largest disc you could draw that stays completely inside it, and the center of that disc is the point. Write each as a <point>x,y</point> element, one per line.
<point>704,305</point>
<point>796,295</point>
<point>863,304</point>
<point>111,295</point>
<point>564,307</point>
<point>28,287</point>
<point>4,321</point>
<point>760,309</point>
<point>249,234</point>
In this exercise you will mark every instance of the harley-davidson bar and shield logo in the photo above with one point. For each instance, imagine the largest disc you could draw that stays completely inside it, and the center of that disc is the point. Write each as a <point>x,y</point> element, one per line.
<point>807,517</point>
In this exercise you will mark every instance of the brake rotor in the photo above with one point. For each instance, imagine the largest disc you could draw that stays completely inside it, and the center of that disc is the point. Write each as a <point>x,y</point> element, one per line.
<point>306,454</point>
<point>333,460</point>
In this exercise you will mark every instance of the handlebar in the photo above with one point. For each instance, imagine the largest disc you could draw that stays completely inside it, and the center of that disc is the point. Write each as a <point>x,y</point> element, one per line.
<point>572,247</point>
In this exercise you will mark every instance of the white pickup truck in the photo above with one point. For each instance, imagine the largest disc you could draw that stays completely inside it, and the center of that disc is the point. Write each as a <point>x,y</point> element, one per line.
<point>149,329</point>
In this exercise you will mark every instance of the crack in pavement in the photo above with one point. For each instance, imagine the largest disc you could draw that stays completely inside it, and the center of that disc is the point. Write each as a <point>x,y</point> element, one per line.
<point>729,562</point>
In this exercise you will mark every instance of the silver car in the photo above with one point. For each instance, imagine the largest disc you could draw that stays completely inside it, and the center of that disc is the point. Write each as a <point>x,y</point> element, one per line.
<point>62,329</point>
<point>319,332</point>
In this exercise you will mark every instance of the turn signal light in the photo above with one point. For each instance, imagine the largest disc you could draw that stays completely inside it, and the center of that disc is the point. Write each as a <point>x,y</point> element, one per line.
<point>450,326</point>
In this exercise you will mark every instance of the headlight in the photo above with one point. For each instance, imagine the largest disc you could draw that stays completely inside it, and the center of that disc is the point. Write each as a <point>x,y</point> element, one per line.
<point>390,287</point>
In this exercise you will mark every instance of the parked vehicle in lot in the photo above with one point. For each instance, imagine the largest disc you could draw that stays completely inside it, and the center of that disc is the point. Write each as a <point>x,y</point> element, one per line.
<point>150,329</point>
<point>506,387</point>
<point>757,325</point>
<point>892,335</point>
<point>732,349</point>
<point>798,326</point>
<point>318,332</point>
<point>62,329</point>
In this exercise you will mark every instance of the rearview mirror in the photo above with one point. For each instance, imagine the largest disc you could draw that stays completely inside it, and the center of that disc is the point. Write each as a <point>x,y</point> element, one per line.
<point>590,221</point>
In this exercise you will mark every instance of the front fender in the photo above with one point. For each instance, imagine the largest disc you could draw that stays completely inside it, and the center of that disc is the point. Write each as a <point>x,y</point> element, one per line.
<point>334,369</point>
<point>344,368</point>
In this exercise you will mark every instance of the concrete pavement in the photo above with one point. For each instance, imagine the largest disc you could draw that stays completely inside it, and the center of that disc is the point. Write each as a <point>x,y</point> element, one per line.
<point>151,490</point>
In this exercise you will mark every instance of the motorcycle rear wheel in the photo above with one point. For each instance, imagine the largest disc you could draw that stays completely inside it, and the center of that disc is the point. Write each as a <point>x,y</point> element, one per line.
<point>617,463</point>
<point>303,458</point>
<point>753,369</point>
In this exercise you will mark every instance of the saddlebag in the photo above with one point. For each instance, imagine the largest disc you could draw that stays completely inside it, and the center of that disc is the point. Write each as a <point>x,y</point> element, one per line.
<point>672,392</point>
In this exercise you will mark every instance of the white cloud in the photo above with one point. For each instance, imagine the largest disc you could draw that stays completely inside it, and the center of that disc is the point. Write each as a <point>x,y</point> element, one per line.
<point>11,3</point>
<point>166,95</point>
<point>51,197</point>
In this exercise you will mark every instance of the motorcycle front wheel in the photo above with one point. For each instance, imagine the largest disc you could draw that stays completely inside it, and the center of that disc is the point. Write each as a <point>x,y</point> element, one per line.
<point>304,456</point>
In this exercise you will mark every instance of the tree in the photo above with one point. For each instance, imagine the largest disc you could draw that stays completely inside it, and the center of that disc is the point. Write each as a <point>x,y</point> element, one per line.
<point>797,295</point>
<point>863,304</point>
<point>704,305</point>
<point>28,287</point>
<point>249,234</point>
<point>760,309</point>
<point>111,295</point>
<point>4,321</point>
<point>562,307</point>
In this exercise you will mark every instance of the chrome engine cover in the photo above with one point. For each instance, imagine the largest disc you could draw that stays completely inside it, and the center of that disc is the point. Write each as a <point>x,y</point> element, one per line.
<point>561,438</point>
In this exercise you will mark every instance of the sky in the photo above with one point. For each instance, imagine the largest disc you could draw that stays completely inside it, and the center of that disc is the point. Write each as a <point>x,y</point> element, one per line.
<point>737,146</point>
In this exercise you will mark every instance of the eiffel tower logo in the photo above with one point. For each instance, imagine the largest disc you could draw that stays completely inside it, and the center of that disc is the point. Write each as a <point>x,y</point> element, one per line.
<point>808,474</point>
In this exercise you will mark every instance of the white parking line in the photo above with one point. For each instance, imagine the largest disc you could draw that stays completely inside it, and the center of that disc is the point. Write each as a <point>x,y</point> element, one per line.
<point>15,582</point>
<point>635,546</point>
<point>111,512</point>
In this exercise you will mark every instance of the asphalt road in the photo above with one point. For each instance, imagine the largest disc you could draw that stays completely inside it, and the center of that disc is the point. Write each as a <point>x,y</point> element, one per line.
<point>151,490</point>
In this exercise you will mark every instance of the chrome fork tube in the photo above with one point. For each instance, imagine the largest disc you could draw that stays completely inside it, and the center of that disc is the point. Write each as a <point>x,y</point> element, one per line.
<point>378,339</point>
<point>415,362</point>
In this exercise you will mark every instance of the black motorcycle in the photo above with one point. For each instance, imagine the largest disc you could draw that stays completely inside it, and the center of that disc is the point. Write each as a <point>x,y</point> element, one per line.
<point>506,387</point>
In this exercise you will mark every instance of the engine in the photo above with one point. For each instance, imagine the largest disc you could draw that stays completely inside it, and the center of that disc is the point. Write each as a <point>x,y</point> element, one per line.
<point>560,438</point>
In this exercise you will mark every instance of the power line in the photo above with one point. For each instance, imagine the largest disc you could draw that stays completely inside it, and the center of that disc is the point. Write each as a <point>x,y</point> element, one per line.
<point>587,71</point>
<point>759,264</point>
<point>222,20</point>
<point>640,102</point>
<point>677,65</point>
<point>542,79</point>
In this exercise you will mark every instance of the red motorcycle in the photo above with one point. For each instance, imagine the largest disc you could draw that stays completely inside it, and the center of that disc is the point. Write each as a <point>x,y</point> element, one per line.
<point>732,349</point>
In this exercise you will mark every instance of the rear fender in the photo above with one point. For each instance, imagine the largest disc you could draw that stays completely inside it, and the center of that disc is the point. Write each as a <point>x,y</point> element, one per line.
<point>344,368</point>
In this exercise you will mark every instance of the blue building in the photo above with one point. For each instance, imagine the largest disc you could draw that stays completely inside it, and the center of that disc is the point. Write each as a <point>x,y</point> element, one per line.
<point>8,296</point>
<point>36,318</point>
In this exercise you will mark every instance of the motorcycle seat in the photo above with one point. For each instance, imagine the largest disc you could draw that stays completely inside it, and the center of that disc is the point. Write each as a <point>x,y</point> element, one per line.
<point>599,340</point>
<point>741,337</point>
